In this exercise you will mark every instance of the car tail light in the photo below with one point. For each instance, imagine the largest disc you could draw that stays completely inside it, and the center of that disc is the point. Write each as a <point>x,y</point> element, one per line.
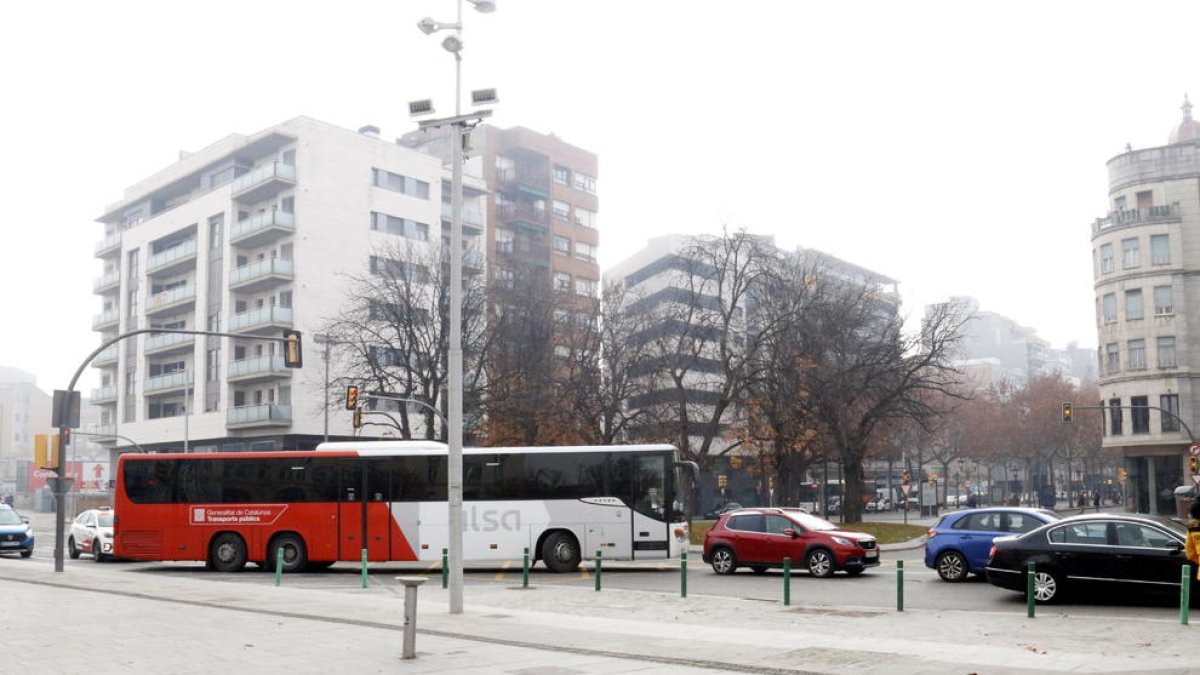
<point>992,553</point>
<point>931,534</point>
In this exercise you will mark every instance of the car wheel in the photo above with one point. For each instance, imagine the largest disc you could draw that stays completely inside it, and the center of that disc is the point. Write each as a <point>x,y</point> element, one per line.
<point>820,563</point>
<point>97,556</point>
<point>560,552</point>
<point>72,549</point>
<point>1046,587</point>
<point>27,553</point>
<point>952,566</point>
<point>295,554</point>
<point>723,560</point>
<point>758,569</point>
<point>227,553</point>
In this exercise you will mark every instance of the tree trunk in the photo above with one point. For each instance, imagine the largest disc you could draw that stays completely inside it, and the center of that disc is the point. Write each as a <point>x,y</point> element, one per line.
<point>852,504</point>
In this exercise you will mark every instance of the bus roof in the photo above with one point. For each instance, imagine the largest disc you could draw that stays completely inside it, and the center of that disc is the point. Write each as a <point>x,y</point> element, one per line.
<point>393,448</point>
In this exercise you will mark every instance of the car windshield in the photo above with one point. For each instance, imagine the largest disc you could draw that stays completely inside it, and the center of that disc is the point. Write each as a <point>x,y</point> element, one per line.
<point>809,522</point>
<point>9,517</point>
<point>104,519</point>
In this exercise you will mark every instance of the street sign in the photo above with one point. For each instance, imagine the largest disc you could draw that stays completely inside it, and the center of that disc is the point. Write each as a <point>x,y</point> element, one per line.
<point>905,488</point>
<point>1194,451</point>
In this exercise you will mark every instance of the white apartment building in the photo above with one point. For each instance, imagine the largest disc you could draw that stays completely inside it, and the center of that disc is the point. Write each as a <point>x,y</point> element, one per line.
<point>251,236</point>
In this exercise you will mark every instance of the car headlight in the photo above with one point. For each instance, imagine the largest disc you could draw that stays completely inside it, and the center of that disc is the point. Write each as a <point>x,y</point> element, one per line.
<point>842,541</point>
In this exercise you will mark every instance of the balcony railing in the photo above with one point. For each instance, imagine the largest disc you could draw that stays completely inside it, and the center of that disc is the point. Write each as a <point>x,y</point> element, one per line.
<point>264,182</point>
<point>470,217</point>
<point>171,298</point>
<point>104,394</point>
<point>261,272</point>
<point>259,366</point>
<point>156,343</point>
<point>102,433</point>
<point>266,226</point>
<point>264,316</point>
<point>521,212</point>
<point>524,248</point>
<point>109,245</point>
<point>170,381</point>
<point>524,175</point>
<point>259,415</point>
<point>1164,213</point>
<point>109,355</point>
<point>105,319</point>
<point>171,257</point>
<point>107,281</point>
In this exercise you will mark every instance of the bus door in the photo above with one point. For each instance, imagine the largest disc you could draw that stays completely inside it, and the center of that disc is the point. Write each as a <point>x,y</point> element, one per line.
<point>357,524</point>
<point>650,507</point>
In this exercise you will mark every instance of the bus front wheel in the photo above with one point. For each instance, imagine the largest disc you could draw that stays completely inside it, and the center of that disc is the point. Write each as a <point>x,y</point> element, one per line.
<point>227,553</point>
<point>560,552</point>
<point>295,553</point>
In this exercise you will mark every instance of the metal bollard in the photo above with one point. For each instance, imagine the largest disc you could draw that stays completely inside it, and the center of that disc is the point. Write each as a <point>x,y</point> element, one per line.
<point>597,569</point>
<point>1029,590</point>
<point>525,570</point>
<point>787,581</point>
<point>364,568</point>
<point>445,567</point>
<point>683,574</point>
<point>899,585</point>
<point>278,565</point>
<point>411,584</point>
<point>1185,593</point>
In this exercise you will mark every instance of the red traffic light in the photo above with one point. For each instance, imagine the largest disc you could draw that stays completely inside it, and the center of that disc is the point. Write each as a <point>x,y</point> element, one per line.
<point>351,397</point>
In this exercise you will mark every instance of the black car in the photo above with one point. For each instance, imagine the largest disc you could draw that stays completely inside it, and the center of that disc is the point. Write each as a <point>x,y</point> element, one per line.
<point>1105,552</point>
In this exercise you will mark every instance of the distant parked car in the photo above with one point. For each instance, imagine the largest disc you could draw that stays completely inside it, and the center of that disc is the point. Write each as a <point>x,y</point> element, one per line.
<point>961,541</point>
<point>92,532</point>
<point>761,538</point>
<point>16,534</point>
<point>882,504</point>
<point>717,510</point>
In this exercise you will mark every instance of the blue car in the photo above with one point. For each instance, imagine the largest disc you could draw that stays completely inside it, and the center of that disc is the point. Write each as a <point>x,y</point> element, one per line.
<point>16,534</point>
<point>961,542</point>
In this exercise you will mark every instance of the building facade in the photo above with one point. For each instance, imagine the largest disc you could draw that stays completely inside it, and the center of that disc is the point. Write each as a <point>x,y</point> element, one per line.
<point>1146,254</point>
<point>251,236</point>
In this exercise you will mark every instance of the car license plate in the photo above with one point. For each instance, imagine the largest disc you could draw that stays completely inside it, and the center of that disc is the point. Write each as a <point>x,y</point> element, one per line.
<point>10,544</point>
<point>873,553</point>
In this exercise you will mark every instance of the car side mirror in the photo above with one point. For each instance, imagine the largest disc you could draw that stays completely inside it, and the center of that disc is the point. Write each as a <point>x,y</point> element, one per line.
<point>1174,547</point>
<point>25,520</point>
<point>791,533</point>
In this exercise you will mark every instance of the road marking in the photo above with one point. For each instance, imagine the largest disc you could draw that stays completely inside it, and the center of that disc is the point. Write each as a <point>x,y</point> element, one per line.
<point>500,575</point>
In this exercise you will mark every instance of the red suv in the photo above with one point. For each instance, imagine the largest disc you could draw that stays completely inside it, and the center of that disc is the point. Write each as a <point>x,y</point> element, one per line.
<point>762,537</point>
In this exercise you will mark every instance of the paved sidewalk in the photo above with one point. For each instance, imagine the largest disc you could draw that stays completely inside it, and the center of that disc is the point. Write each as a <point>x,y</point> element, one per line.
<point>158,623</point>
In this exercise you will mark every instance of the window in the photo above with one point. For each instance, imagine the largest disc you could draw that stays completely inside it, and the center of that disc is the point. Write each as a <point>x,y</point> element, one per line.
<point>1170,411</point>
<point>1166,352</point>
<point>1160,249</point>
<point>747,523</point>
<point>562,210</point>
<point>585,287</point>
<point>1109,310</point>
<point>1019,523</point>
<point>411,229</point>
<point>1133,305</point>
<point>562,245</point>
<point>1112,352</point>
<point>505,277</point>
<point>398,269</point>
<point>505,240</point>
<point>585,218</point>
<point>506,168</point>
<point>1114,415</point>
<point>1137,355</point>
<point>585,251</point>
<point>1130,254</point>
<point>562,281</point>
<point>1091,534</point>
<point>398,183</point>
<point>215,224</point>
<point>1139,414</point>
<point>562,351</point>
<point>562,175</point>
<point>585,183</point>
<point>1163,303</point>
<point>1106,258</point>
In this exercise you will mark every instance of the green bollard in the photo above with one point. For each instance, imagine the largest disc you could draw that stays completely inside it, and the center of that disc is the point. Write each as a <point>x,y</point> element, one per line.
<point>683,574</point>
<point>1029,590</point>
<point>525,570</point>
<point>1185,593</point>
<point>899,585</point>
<point>597,569</point>
<point>364,568</point>
<point>278,565</point>
<point>787,581</point>
<point>445,568</point>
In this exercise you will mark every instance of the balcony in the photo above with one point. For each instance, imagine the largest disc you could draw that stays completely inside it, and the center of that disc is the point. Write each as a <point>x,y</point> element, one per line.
<point>104,395</point>
<point>265,228</point>
<point>523,249</point>
<point>471,218</point>
<point>169,342</point>
<point>107,357</point>
<point>264,415</point>
<point>110,245</point>
<point>264,182</point>
<point>260,274</point>
<point>168,383</point>
<point>108,282</point>
<point>258,368</point>
<point>173,260</point>
<point>524,215</point>
<point>105,320</point>
<point>174,299</point>
<point>102,433</point>
<point>1165,213</point>
<point>263,318</point>
<point>523,178</point>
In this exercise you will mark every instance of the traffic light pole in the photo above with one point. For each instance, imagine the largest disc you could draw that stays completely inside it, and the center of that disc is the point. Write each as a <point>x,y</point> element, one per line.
<point>1177,418</point>
<point>61,483</point>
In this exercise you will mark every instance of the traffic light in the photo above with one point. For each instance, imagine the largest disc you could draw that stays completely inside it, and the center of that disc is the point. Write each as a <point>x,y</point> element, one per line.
<point>722,480</point>
<point>1194,465</point>
<point>293,357</point>
<point>351,397</point>
<point>1123,474</point>
<point>904,476</point>
<point>1066,412</point>
<point>933,479</point>
<point>357,419</point>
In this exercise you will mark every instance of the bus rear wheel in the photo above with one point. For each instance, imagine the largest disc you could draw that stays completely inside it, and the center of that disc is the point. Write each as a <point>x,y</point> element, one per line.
<point>295,553</point>
<point>560,552</point>
<point>227,553</point>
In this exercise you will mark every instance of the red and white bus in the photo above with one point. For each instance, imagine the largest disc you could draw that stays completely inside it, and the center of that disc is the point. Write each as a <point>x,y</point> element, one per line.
<point>319,507</point>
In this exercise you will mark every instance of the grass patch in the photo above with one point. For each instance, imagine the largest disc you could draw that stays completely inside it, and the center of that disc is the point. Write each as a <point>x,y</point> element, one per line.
<point>885,533</point>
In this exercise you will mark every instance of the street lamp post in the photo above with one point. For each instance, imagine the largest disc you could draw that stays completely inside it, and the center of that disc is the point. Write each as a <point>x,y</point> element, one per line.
<point>459,127</point>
